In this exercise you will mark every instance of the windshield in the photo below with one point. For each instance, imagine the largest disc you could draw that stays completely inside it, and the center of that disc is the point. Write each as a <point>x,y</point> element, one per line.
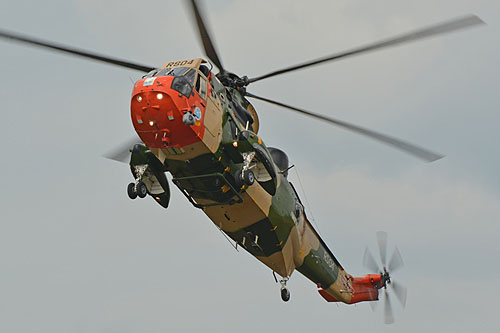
<point>184,83</point>
<point>176,71</point>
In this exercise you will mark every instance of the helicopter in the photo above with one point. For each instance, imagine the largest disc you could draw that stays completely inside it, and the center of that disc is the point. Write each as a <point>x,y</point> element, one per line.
<point>200,127</point>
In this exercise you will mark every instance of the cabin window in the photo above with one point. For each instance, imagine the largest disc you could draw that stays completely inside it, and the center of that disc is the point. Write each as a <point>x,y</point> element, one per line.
<point>203,88</point>
<point>204,69</point>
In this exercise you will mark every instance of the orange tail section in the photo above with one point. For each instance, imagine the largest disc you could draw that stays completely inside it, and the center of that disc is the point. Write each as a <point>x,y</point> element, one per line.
<point>364,288</point>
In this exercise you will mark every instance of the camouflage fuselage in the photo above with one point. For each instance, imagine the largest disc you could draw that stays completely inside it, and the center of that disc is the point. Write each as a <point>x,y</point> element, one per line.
<point>267,217</point>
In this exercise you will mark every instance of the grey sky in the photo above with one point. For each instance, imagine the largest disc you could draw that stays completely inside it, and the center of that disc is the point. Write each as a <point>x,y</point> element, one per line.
<point>76,255</point>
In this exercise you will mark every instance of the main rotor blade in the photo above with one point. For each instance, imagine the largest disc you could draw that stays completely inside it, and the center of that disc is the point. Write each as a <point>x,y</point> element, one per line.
<point>205,37</point>
<point>400,292</point>
<point>421,153</point>
<point>456,24</point>
<point>396,261</point>
<point>122,152</point>
<point>369,262</point>
<point>74,51</point>
<point>382,246</point>
<point>388,317</point>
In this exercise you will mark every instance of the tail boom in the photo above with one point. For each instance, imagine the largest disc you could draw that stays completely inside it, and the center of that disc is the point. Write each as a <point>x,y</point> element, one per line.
<point>362,289</point>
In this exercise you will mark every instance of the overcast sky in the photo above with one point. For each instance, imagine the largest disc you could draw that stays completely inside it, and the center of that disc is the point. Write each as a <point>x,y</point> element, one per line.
<point>76,255</point>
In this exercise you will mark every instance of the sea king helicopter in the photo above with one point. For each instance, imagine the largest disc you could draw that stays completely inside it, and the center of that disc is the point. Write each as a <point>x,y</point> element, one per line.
<point>199,126</point>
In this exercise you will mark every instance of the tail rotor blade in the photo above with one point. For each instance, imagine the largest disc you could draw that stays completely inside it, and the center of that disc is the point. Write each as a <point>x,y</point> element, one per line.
<point>388,316</point>
<point>396,261</point>
<point>373,305</point>
<point>400,292</point>
<point>369,262</point>
<point>382,246</point>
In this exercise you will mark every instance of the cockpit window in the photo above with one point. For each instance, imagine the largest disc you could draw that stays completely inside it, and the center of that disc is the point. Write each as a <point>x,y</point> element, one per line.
<point>184,83</point>
<point>190,75</point>
<point>176,71</point>
<point>151,74</point>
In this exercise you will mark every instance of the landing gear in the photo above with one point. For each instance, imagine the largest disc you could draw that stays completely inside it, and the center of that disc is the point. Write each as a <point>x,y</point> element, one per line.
<point>248,177</point>
<point>285,293</point>
<point>245,178</point>
<point>132,194</point>
<point>141,190</point>
<point>137,190</point>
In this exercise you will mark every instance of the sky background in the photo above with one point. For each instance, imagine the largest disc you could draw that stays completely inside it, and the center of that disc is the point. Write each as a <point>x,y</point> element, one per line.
<point>76,255</point>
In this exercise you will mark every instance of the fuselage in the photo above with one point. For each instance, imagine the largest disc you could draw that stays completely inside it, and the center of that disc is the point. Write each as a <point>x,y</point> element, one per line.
<point>206,135</point>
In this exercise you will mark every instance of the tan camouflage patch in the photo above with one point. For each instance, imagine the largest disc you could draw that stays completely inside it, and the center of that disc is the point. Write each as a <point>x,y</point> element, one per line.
<point>193,63</point>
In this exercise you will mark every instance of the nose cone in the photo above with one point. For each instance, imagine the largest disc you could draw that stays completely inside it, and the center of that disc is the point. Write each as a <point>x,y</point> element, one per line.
<point>157,112</point>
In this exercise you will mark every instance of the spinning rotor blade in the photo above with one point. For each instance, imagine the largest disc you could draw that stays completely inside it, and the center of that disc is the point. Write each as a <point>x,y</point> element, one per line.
<point>373,305</point>
<point>421,153</point>
<point>205,37</point>
<point>389,318</point>
<point>79,52</point>
<point>122,152</point>
<point>396,261</point>
<point>457,24</point>
<point>369,262</point>
<point>382,246</point>
<point>400,292</point>
<point>386,280</point>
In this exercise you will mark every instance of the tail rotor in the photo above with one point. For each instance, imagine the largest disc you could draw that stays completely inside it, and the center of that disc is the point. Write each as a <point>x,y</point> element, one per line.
<point>395,263</point>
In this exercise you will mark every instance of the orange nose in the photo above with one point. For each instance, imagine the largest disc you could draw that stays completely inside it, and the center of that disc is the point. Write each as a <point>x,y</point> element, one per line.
<point>157,114</point>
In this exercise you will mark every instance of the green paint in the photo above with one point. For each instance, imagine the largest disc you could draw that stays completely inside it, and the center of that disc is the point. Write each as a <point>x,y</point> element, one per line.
<point>283,204</point>
<point>319,267</point>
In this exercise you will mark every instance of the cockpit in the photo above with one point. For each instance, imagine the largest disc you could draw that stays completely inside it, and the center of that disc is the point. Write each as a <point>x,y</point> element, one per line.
<point>194,76</point>
<point>184,81</point>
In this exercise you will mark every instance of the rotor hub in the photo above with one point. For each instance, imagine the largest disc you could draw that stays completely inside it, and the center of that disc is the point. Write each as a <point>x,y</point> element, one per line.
<point>385,277</point>
<point>232,80</point>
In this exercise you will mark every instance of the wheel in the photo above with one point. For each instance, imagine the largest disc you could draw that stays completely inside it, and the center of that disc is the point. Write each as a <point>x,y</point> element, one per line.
<point>141,190</point>
<point>248,177</point>
<point>238,181</point>
<point>285,294</point>
<point>132,194</point>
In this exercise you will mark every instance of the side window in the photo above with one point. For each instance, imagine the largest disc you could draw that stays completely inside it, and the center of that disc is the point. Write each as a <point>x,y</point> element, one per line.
<point>203,88</point>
